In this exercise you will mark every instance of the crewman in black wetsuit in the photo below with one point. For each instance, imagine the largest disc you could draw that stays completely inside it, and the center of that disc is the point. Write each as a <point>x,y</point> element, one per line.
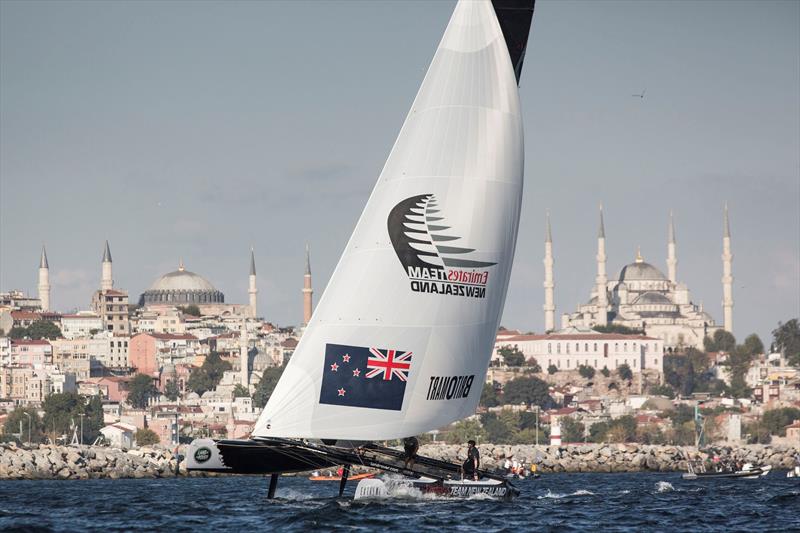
<point>473,462</point>
<point>410,446</point>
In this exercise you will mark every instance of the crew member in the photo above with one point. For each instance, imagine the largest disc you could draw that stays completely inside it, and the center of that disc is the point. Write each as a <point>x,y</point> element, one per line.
<point>410,446</point>
<point>473,462</point>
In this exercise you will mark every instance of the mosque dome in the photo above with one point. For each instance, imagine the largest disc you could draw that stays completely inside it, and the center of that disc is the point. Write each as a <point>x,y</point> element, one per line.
<point>652,298</point>
<point>640,271</point>
<point>181,287</point>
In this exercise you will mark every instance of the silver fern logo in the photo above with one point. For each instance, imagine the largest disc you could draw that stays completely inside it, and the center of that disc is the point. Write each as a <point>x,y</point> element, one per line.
<point>429,253</point>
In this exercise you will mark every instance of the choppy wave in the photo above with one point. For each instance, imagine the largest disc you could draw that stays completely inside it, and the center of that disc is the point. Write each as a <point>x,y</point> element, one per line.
<point>664,486</point>
<point>558,496</point>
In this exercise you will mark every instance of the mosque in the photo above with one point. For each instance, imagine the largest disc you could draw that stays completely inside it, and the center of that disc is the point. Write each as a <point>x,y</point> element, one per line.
<point>642,297</point>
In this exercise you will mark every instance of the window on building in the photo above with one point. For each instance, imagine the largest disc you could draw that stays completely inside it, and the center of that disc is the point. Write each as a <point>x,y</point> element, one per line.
<point>549,348</point>
<point>577,348</point>
<point>595,347</point>
<point>625,347</point>
<point>567,363</point>
<point>586,347</point>
<point>558,347</point>
<point>616,346</point>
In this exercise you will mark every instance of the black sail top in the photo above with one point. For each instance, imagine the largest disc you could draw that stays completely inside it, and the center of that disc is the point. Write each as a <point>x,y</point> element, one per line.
<point>515,21</point>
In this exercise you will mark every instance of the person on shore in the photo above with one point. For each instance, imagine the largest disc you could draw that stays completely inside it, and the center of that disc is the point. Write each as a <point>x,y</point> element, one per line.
<point>473,462</point>
<point>410,447</point>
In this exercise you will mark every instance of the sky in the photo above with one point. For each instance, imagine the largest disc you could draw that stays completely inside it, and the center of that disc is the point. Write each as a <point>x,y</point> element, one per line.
<point>194,130</point>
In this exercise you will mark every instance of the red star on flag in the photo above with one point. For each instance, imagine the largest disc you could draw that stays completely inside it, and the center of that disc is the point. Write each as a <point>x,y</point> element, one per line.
<point>356,373</point>
<point>346,358</point>
<point>335,367</point>
<point>341,392</point>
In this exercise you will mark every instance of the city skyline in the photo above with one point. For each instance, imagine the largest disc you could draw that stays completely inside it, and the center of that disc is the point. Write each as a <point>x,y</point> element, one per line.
<point>136,143</point>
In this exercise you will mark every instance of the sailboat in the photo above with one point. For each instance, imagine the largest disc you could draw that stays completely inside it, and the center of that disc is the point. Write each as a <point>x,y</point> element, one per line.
<point>401,339</point>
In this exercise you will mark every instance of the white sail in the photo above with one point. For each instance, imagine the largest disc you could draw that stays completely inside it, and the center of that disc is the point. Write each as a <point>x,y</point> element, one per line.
<point>400,341</point>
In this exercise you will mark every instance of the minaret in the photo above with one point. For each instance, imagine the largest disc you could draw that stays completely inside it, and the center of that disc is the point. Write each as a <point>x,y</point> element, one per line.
<point>672,259</point>
<point>253,291</point>
<point>244,374</point>
<point>106,281</point>
<point>44,281</point>
<point>549,305</point>
<point>602,279</point>
<point>308,292</point>
<point>727,277</point>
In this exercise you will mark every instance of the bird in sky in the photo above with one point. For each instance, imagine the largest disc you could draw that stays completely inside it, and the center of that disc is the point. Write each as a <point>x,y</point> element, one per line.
<point>640,95</point>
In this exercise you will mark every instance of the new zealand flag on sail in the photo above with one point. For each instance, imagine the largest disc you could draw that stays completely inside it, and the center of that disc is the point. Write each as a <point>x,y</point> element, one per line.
<point>364,377</point>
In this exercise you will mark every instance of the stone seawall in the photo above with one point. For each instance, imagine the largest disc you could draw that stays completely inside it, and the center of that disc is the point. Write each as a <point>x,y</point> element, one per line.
<point>89,462</point>
<point>612,457</point>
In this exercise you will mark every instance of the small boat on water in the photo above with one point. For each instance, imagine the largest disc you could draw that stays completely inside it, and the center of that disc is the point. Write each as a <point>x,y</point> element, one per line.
<point>795,472</point>
<point>747,471</point>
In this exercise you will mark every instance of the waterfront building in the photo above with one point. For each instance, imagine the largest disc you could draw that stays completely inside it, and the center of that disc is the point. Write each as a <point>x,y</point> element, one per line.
<point>31,352</point>
<point>641,297</point>
<point>570,348</point>
<point>16,299</point>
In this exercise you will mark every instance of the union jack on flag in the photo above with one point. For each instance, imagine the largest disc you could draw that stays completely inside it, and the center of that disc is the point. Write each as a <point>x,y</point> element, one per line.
<point>390,363</point>
<point>362,376</point>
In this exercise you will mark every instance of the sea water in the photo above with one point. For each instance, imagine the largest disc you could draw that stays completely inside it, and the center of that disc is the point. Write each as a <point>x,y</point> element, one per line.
<point>555,502</point>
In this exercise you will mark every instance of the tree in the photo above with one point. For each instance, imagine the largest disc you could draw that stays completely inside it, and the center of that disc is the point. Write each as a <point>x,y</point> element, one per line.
<point>18,332</point>
<point>787,340</point>
<point>663,390</point>
<point>464,430</point>
<point>552,369</point>
<point>240,391</point>
<point>724,341</point>
<point>42,329</point>
<point>533,366</point>
<point>146,437</point>
<point>753,345</point>
<point>618,328</point>
<point>512,356</point>
<point>529,390</point>
<point>776,420</point>
<point>140,390</point>
<point>208,376</point>
<point>267,384</point>
<point>190,309</point>
<point>499,429</point>
<point>572,430</point>
<point>62,413</point>
<point>171,390</point>
<point>94,420</point>
<point>625,372</point>
<point>586,371</point>
<point>18,418</point>
<point>605,371</point>
<point>489,395</point>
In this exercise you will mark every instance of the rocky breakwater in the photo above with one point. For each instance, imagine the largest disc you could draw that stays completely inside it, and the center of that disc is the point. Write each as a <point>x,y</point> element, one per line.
<point>613,457</point>
<point>86,462</point>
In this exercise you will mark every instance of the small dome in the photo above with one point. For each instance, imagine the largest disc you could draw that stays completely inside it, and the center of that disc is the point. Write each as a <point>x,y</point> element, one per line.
<point>652,298</point>
<point>641,271</point>
<point>182,280</point>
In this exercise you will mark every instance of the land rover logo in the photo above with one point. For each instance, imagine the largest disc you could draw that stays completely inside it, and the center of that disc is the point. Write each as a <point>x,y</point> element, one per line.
<point>202,455</point>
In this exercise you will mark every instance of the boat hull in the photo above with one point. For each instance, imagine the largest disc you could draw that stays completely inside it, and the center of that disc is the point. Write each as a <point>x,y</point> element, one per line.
<point>753,473</point>
<point>457,489</point>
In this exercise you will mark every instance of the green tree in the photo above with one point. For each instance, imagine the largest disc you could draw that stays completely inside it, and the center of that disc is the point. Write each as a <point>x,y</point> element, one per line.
<point>528,389</point>
<point>146,437</point>
<point>572,430</point>
<point>499,429</point>
<point>208,376</point>
<point>489,395</point>
<point>625,372</point>
<point>62,413</point>
<point>267,384</point>
<point>464,430</point>
<point>171,390</point>
<point>618,328</point>
<point>786,338</point>
<point>18,332</point>
<point>597,431</point>
<point>512,356</point>
<point>552,369</point>
<point>753,345</point>
<point>140,390</point>
<point>586,371</point>
<point>19,418</point>
<point>680,415</point>
<point>533,366</point>
<point>605,371</point>
<point>776,420</point>
<point>679,374</point>
<point>94,420</point>
<point>240,391</point>
<point>663,390</point>
<point>724,341</point>
<point>190,309</point>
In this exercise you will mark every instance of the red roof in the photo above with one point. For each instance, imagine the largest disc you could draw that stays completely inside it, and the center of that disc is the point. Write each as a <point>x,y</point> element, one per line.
<point>25,315</point>
<point>289,343</point>
<point>29,342</point>
<point>112,292</point>
<point>172,336</point>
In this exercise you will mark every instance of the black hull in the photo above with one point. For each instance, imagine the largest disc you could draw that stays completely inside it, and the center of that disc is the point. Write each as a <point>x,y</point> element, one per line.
<point>272,457</point>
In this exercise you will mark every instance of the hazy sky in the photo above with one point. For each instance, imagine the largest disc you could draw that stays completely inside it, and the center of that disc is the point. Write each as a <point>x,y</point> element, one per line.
<point>194,130</point>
